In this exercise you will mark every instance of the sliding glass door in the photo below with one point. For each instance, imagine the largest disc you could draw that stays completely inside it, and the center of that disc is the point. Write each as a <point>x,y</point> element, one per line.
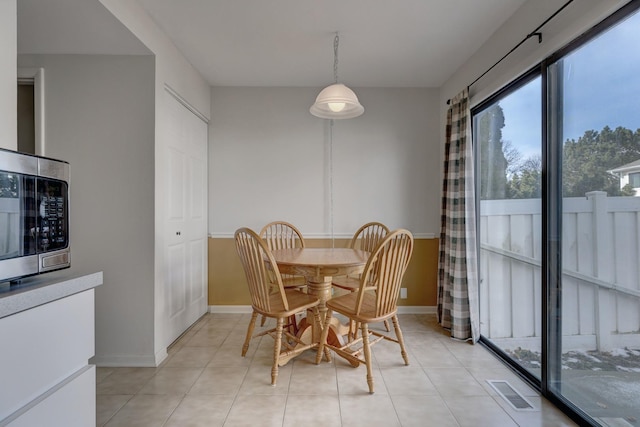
<point>558,179</point>
<point>596,89</point>
<point>507,131</point>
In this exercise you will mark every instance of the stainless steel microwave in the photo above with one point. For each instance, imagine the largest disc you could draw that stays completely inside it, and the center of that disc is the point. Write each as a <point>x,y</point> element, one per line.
<point>34,215</point>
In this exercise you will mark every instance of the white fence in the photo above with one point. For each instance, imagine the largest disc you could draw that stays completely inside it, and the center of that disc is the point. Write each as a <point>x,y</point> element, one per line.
<point>600,277</point>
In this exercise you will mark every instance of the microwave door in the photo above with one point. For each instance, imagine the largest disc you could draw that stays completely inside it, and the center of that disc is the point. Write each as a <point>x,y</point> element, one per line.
<point>17,215</point>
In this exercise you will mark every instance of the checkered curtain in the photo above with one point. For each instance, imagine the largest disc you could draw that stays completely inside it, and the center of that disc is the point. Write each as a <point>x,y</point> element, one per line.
<point>457,269</point>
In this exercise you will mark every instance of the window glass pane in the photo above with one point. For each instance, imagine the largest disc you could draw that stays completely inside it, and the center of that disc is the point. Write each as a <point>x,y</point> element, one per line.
<point>508,138</point>
<point>600,283</point>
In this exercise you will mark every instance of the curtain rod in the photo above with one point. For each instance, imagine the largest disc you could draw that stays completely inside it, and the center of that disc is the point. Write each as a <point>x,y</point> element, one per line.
<point>535,32</point>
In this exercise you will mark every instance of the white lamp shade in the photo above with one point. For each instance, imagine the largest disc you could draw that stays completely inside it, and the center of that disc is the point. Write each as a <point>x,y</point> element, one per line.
<point>337,102</point>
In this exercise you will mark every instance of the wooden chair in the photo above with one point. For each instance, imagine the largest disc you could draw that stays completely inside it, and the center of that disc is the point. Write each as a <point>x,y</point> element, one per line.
<point>375,301</point>
<point>259,267</point>
<point>282,235</point>
<point>365,238</point>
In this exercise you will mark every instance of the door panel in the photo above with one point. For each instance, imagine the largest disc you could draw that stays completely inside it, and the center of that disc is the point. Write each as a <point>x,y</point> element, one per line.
<point>177,185</point>
<point>197,258</point>
<point>185,220</point>
<point>176,279</point>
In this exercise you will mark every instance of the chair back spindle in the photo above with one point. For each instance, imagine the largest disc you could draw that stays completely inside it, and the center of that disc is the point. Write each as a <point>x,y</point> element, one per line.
<point>282,235</point>
<point>384,271</point>
<point>368,236</point>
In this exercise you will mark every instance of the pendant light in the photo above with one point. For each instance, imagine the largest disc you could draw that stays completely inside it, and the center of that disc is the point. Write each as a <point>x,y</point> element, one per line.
<point>336,101</point>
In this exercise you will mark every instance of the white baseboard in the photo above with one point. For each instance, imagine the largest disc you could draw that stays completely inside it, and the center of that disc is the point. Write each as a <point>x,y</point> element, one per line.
<point>417,309</point>
<point>230,309</point>
<point>124,361</point>
<point>161,356</point>
<point>403,309</point>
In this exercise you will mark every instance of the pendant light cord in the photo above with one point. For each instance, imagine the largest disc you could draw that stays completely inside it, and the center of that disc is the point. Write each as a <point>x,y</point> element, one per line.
<point>331,182</point>
<point>336,42</point>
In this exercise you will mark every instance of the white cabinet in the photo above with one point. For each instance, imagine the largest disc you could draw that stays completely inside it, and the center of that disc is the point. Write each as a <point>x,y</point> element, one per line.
<point>46,377</point>
<point>72,404</point>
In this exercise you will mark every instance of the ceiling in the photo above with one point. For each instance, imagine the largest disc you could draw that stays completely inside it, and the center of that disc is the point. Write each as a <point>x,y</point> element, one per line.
<point>383,43</point>
<point>73,27</point>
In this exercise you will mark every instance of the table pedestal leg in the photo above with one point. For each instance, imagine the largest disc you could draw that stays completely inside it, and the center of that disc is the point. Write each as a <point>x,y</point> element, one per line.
<point>308,331</point>
<point>319,287</point>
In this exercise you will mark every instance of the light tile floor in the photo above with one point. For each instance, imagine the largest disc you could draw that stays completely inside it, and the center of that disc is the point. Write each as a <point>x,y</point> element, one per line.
<point>205,382</point>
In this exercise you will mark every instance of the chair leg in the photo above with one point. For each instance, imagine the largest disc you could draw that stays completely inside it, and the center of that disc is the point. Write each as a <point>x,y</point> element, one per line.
<point>356,328</point>
<point>386,326</point>
<point>322,349</point>
<point>252,325</point>
<point>277,345</point>
<point>367,354</point>
<point>264,318</point>
<point>293,329</point>
<point>403,350</point>
<point>353,326</point>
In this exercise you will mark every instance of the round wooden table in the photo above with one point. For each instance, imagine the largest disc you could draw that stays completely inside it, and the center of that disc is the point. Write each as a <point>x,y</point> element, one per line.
<point>319,266</point>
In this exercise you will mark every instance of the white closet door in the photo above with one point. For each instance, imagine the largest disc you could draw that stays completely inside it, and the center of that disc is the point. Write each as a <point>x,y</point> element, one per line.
<point>185,275</point>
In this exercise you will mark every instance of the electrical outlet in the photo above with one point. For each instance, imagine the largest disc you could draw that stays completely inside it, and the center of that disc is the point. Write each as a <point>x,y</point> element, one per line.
<point>403,293</point>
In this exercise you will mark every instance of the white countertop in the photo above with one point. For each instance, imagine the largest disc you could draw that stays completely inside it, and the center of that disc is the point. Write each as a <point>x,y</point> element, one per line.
<point>44,288</point>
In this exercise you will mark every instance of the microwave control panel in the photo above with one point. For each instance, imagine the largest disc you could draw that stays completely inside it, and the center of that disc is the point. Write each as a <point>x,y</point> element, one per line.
<point>53,221</point>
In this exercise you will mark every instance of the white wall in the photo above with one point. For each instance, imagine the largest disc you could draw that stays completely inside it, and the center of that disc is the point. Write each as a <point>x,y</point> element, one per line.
<point>131,307</point>
<point>100,118</point>
<point>8,75</point>
<point>171,69</point>
<point>268,160</point>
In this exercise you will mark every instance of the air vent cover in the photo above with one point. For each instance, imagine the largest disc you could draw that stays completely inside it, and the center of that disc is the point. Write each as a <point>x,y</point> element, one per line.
<point>511,395</point>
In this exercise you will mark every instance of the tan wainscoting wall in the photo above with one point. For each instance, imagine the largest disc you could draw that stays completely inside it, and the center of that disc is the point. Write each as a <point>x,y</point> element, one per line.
<point>227,283</point>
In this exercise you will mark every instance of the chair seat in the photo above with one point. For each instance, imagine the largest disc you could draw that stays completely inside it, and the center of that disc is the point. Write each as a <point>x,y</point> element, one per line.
<point>298,301</point>
<point>345,305</point>
<point>346,282</point>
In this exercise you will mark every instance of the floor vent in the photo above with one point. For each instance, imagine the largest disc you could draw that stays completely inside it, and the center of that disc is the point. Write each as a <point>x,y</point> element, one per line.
<point>614,422</point>
<point>511,395</point>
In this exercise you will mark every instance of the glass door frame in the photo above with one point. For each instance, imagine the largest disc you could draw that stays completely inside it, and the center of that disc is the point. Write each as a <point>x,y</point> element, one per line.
<point>512,87</point>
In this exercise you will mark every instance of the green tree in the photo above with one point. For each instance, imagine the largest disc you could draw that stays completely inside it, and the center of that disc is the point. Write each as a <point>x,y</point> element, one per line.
<point>526,182</point>
<point>586,162</point>
<point>493,164</point>
<point>628,190</point>
<point>513,157</point>
<point>585,167</point>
